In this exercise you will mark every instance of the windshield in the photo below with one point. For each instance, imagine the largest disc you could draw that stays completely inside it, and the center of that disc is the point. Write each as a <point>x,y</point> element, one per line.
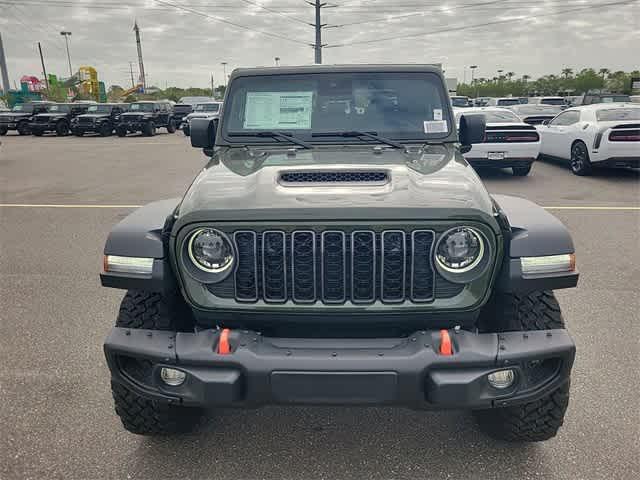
<point>552,101</point>
<point>141,107</point>
<point>100,109</point>
<point>538,110</point>
<point>460,101</point>
<point>207,107</point>
<point>618,114</point>
<point>403,105</point>
<point>59,108</point>
<point>493,116</point>
<point>22,108</point>
<point>615,99</point>
<point>508,101</point>
<point>194,100</point>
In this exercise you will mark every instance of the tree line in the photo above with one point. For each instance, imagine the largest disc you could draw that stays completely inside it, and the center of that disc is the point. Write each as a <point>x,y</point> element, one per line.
<point>566,83</point>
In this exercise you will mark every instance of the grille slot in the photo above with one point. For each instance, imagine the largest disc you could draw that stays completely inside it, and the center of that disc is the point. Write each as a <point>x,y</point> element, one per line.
<point>376,177</point>
<point>334,266</point>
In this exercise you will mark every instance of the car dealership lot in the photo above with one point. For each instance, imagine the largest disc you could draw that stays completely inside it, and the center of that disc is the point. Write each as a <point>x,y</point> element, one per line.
<point>60,196</point>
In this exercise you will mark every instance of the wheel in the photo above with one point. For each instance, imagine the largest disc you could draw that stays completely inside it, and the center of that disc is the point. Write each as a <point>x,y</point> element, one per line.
<point>139,414</point>
<point>105,130</point>
<point>77,133</point>
<point>521,171</point>
<point>185,130</point>
<point>171,126</point>
<point>121,131</point>
<point>23,128</point>
<point>3,131</point>
<point>62,129</point>
<point>149,129</point>
<point>541,419</point>
<point>37,133</point>
<point>580,163</point>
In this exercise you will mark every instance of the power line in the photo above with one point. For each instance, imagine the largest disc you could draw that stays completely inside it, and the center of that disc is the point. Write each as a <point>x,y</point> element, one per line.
<point>276,12</point>
<point>237,25</point>
<point>482,25</point>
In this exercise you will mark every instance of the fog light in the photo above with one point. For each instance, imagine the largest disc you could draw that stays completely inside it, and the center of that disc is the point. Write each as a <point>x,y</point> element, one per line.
<point>502,379</point>
<point>172,377</point>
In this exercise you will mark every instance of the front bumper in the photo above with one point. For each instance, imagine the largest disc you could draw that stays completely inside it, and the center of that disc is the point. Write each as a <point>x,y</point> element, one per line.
<point>407,371</point>
<point>132,126</point>
<point>9,125</point>
<point>43,127</point>
<point>506,163</point>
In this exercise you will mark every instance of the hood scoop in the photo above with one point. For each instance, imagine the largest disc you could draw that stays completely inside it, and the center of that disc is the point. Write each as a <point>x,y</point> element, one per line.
<point>305,178</point>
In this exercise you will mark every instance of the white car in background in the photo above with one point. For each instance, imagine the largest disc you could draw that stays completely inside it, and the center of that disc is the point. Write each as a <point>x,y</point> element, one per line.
<point>535,114</point>
<point>557,101</point>
<point>598,135</point>
<point>201,110</point>
<point>508,143</point>
<point>503,102</point>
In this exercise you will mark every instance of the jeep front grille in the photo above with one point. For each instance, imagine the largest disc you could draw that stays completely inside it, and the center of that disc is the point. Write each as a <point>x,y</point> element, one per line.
<point>42,119</point>
<point>85,120</point>
<point>335,266</point>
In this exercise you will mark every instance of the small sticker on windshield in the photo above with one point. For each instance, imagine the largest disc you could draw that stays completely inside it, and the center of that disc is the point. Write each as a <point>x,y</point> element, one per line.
<point>439,126</point>
<point>437,114</point>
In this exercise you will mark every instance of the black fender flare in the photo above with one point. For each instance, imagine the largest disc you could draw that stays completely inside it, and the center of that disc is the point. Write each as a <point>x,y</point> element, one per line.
<point>144,234</point>
<point>534,232</point>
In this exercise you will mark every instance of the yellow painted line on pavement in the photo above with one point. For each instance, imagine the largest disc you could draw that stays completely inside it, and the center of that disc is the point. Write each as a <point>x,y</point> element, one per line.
<point>51,205</point>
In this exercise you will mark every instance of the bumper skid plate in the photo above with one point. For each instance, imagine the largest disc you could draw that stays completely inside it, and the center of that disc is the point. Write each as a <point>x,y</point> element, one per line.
<point>409,371</point>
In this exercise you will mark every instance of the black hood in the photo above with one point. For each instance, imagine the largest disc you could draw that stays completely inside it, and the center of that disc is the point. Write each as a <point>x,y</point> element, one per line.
<point>240,184</point>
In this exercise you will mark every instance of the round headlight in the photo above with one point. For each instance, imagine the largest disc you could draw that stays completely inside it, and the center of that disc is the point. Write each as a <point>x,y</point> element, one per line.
<point>210,250</point>
<point>459,250</point>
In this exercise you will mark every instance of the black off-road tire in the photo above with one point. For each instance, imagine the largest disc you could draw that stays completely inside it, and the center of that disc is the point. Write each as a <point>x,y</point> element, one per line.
<point>141,415</point>
<point>580,161</point>
<point>23,128</point>
<point>171,126</point>
<point>121,131</point>
<point>541,419</point>
<point>186,130</point>
<point>38,133</point>
<point>62,129</point>
<point>148,417</point>
<point>105,130</point>
<point>149,129</point>
<point>3,131</point>
<point>521,171</point>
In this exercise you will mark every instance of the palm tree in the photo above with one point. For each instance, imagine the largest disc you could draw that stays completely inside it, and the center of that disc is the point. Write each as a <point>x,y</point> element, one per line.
<point>510,75</point>
<point>526,78</point>
<point>567,72</point>
<point>604,72</point>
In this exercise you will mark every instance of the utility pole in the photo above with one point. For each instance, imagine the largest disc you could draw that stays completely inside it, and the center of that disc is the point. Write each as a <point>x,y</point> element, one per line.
<point>44,70</point>
<point>143,79</point>
<point>3,69</point>
<point>224,66</point>
<point>318,26</point>
<point>133,83</point>
<point>66,36</point>
<point>213,88</point>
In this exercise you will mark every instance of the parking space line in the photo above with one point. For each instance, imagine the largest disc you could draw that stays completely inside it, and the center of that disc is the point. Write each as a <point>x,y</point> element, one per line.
<point>51,205</point>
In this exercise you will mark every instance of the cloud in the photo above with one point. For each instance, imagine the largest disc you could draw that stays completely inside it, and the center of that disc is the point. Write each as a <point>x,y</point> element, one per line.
<point>184,49</point>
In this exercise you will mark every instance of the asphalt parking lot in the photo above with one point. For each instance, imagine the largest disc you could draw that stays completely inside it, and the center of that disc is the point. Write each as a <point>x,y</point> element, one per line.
<point>60,196</point>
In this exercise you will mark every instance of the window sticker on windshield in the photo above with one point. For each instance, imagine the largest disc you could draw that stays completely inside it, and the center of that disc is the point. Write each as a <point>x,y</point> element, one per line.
<point>439,126</point>
<point>437,114</point>
<point>278,110</point>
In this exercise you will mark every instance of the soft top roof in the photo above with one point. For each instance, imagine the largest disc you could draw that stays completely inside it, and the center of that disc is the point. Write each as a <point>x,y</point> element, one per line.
<point>291,70</point>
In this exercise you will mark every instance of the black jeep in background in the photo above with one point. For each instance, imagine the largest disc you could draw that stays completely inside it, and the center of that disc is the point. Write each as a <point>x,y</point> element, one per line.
<point>100,118</point>
<point>57,118</point>
<point>20,116</point>
<point>145,117</point>
<point>185,106</point>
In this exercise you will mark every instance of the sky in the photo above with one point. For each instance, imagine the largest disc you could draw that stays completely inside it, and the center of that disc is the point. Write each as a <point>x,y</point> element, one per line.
<point>184,42</point>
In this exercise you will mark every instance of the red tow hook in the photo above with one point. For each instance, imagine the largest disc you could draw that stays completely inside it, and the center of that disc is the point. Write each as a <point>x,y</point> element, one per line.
<point>223,343</point>
<point>446,348</point>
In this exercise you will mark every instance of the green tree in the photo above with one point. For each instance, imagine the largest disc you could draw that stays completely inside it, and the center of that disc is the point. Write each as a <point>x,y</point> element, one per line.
<point>603,72</point>
<point>567,72</point>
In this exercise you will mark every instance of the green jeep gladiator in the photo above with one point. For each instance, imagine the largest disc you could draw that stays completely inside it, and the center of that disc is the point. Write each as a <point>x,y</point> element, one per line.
<point>337,249</point>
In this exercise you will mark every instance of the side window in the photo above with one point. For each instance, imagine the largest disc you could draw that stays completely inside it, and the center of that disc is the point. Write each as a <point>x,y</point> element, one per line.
<point>566,118</point>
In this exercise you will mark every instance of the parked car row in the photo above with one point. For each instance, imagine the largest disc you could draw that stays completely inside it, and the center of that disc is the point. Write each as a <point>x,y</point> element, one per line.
<point>79,118</point>
<point>589,98</point>
<point>596,135</point>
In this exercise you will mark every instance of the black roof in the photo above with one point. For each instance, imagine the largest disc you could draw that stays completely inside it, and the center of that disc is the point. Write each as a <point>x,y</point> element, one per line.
<point>289,70</point>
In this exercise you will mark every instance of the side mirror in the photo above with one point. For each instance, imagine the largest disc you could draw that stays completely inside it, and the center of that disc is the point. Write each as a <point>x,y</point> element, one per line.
<point>471,130</point>
<point>203,132</point>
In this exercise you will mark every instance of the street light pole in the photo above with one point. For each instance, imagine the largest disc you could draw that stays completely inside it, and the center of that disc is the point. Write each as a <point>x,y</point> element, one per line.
<point>473,69</point>
<point>224,67</point>
<point>66,36</point>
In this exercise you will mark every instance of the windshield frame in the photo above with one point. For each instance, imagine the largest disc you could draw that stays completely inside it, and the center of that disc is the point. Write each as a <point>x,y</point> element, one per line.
<point>98,107</point>
<point>20,108</point>
<point>197,108</point>
<point>148,107</point>
<point>59,108</point>
<point>224,139</point>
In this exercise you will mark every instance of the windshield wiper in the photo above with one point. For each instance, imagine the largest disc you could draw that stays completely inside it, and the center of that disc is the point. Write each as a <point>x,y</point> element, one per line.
<point>371,135</point>
<point>273,134</point>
